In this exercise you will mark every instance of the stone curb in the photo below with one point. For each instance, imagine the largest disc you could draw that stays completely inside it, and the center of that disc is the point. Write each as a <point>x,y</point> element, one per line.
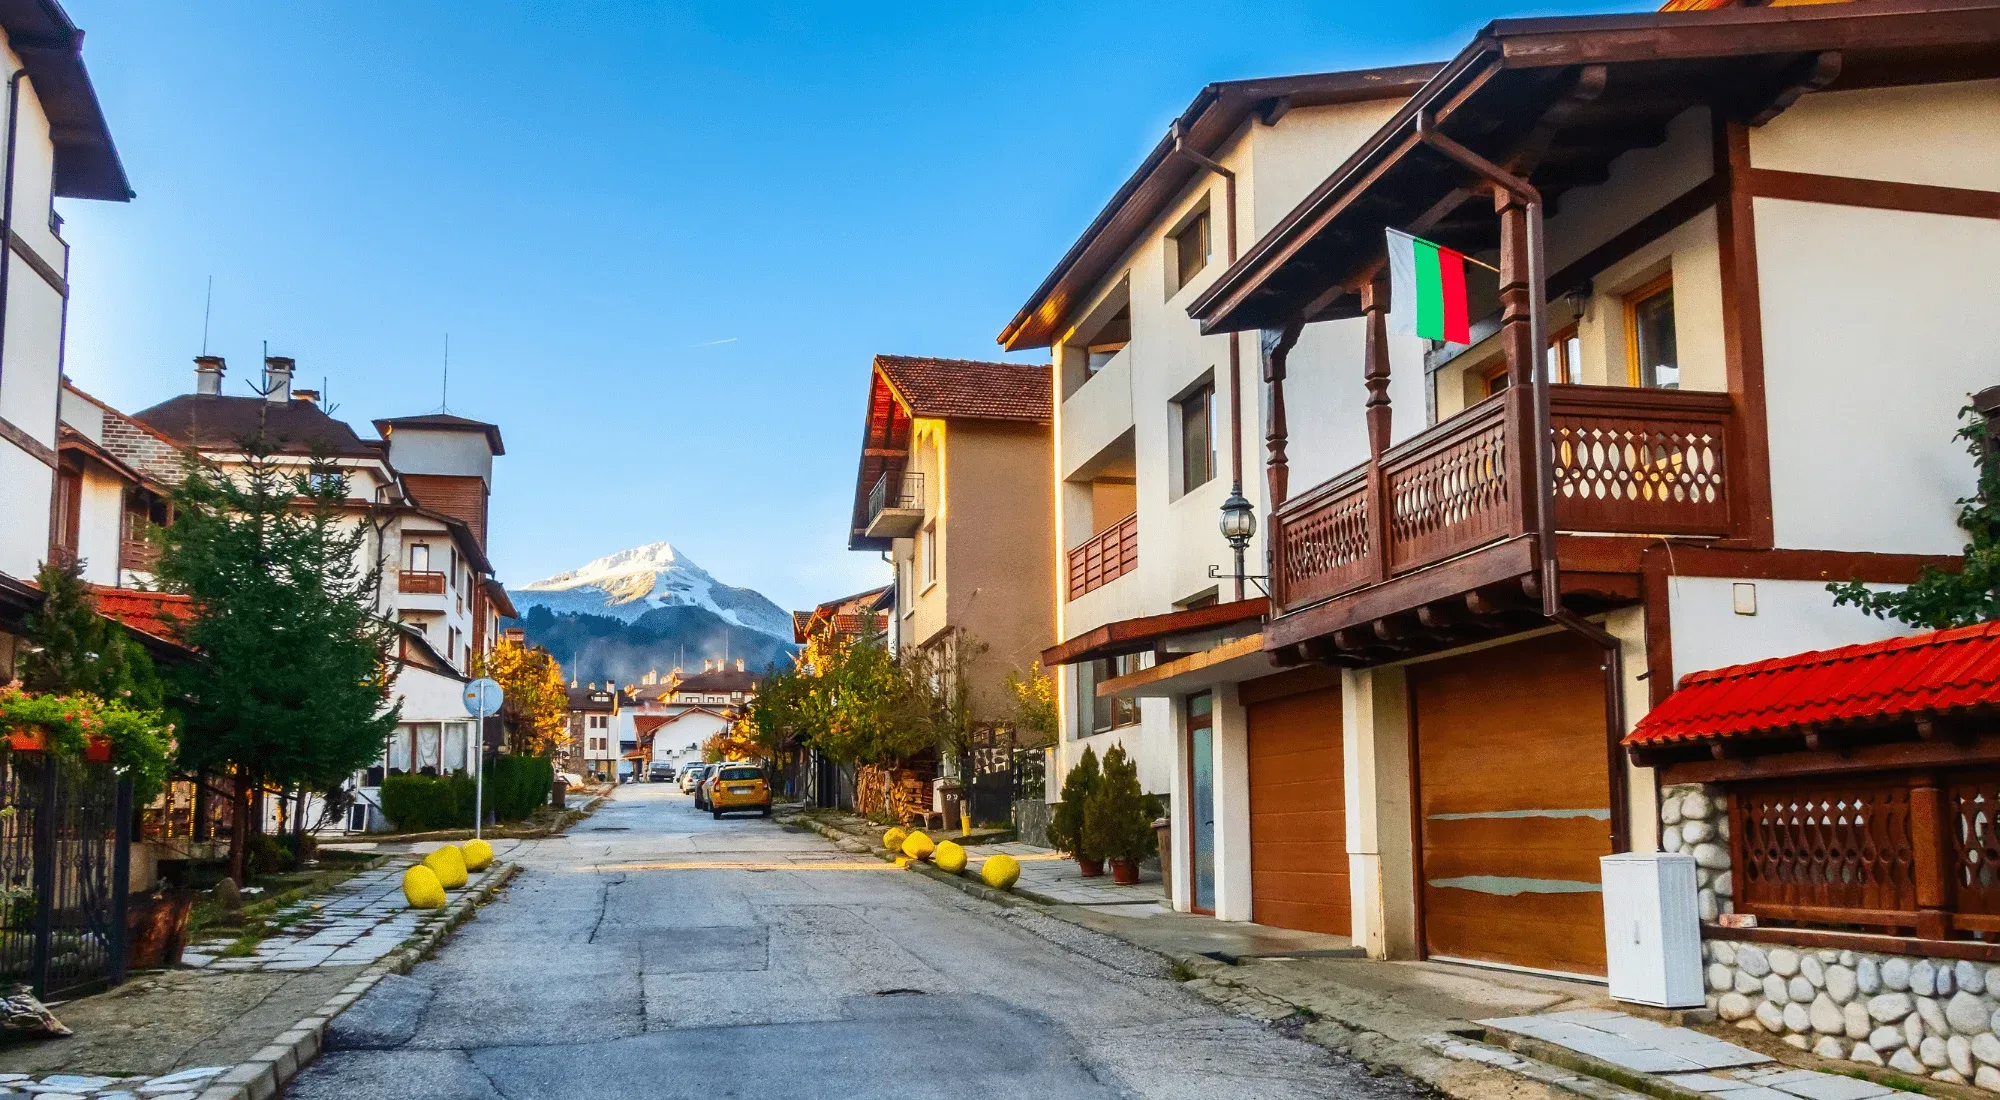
<point>273,1067</point>
<point>1006,898</point>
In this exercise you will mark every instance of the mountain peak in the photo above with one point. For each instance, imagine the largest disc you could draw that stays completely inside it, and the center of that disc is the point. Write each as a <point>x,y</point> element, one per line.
<point>629,583</point>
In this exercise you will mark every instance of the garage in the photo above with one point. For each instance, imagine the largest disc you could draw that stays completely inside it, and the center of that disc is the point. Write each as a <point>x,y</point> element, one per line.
<point>1298,809</point>
<point>1514,795</point>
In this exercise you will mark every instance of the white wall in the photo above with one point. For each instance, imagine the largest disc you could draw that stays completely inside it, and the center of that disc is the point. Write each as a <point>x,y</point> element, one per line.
<point>417,451</point>
<point>427,696</point>
<point>99,523</point>
<point>1792,617</point>
<point>696,727</point>
<point>25,488</point>
<point>1946,135</point>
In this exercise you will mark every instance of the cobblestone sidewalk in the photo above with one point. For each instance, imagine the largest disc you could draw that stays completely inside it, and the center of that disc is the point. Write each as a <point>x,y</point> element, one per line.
<point>358,922</point>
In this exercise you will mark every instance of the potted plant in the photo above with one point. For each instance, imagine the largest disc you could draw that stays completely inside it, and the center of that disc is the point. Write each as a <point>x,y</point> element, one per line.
<point>1117,820</point>
<point>1066,829</point>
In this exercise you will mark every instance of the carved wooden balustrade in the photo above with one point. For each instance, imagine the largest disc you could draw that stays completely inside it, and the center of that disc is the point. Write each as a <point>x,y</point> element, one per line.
<point>1624,460</point>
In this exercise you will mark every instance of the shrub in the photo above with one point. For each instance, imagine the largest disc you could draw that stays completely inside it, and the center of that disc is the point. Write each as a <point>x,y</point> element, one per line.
<point>1117,817</point>
<point>516,785</point>
<point>1066,824</point>
<point>269,855</point>
<point>421,803</point>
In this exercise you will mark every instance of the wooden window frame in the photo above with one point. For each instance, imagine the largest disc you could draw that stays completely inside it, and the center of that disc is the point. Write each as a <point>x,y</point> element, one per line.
<point>928,553</point>
<point>1633,299</point>
<point>1196,223</point>
<point>1205,391</point>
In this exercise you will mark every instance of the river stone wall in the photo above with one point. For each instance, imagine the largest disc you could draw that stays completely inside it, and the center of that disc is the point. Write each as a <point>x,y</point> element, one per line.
<point>1695,819</point>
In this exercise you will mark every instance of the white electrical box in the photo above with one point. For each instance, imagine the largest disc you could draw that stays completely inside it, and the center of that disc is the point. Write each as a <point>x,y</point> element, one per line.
<point>1652,931</point>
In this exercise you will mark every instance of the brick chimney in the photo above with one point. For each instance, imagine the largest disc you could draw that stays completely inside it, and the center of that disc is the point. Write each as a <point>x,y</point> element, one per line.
<point>306,395</point>
<point>208,374</point>
<point>278,379</point>
<point>739,664</point>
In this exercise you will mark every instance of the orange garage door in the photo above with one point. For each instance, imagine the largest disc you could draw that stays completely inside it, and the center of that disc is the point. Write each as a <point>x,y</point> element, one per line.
<point>1515,797</point>
<point>1298,813</point>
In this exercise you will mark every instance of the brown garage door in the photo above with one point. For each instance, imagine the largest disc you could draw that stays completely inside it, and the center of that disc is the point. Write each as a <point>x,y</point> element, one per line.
<point>1515,795</point>
<point>1298,813</point>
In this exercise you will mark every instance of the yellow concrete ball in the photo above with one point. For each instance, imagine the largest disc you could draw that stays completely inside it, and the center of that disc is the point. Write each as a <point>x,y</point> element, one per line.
<point>893,839</point>
<point>1000,871</point>
<point>422,889</point>
<point>448,863</point>
<point>949,857</point>
<point>478,855</point>
<point>918,846</point>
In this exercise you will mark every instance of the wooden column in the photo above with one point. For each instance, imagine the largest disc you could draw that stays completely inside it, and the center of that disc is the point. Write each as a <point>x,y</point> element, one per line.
<point>1517,341</point>
<point>1276,471</point>
<point>1930,855</point>
<point>1749,473</point>
<point>1375,373</point>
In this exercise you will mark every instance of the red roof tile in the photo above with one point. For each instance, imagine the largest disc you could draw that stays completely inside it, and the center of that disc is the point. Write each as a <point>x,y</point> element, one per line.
<point>1924,675</point>
<point>965,388</point>
<point>160,614</point>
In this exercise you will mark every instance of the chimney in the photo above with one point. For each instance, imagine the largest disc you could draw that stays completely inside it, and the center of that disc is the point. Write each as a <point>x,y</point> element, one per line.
<point>277,379</point>
<point>739,664</point>
<point>208,374</point>
<point>306,395</point>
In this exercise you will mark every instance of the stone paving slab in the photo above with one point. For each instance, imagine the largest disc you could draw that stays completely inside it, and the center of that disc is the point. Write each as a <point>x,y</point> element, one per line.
<point>360,921</point>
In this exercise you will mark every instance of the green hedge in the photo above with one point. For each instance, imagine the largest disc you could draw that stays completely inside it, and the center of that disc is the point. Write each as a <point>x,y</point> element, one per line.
<point>515,786</point>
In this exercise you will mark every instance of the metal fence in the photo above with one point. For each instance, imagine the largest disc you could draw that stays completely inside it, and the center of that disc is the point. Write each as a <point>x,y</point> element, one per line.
<point>65,831</point>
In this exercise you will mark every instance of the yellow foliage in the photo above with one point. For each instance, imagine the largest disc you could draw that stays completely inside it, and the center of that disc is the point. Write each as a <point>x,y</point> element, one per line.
<point>537,703</point>
<point>478,855</point>
<point>725,746</point>
<point>1000,871</point>
<point>918,845</point>
<point>448,864</point>
<point>893,839</point>
<point>949,857</point>
<point>422,889</point>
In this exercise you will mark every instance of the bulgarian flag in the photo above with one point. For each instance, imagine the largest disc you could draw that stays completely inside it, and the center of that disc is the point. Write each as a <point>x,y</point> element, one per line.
<point>1427,290</point>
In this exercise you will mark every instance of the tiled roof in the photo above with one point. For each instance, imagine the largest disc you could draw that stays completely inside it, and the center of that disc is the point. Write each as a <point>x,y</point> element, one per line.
<point>450,422</point>
<point>722,679</point>
<point>964,388</point>
<point>1901,679</point>
<point>216,422</point>
<point>160,614</point>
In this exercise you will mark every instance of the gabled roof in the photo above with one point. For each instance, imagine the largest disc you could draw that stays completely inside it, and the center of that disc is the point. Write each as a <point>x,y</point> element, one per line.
<point>214,422</point>
<point>1559,99</point>
<point>160,614</point>
<point>1933,675</point>
<point>51,49</point>
<point>444,422</point>
<point>969,389</point>
<point>725,679</point>
<point>1210,121</point>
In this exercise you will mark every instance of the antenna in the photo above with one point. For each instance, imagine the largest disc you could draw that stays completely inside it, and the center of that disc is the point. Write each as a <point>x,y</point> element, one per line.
<point>206,304</point>
<point>444,391</point>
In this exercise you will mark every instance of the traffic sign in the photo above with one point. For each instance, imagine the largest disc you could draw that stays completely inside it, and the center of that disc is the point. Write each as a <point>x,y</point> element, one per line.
<point>482,697</point>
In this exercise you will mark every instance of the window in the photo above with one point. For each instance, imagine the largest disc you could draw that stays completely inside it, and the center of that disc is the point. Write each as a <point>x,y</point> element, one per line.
<point>1649,336</point>
<point>1101,356</point>
<point>1098,714</point>
<point>420,558</point>
<point>1564,363</point>
<point>1189,246</point>
<point>1197,421</point>
<point>929,553</point>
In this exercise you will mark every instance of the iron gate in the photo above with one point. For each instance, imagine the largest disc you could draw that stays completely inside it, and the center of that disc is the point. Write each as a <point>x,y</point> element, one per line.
<point>65,831</point>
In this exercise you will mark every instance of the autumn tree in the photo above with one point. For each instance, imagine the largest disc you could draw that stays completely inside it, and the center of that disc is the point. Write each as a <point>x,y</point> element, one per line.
<point>535,706</point>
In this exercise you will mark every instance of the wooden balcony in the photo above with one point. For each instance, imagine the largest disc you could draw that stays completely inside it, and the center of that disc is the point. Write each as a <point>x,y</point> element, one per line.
<point>1625,461</point>
<point>1107,556</point>
<point>421,582</point>
<point>138,554</point>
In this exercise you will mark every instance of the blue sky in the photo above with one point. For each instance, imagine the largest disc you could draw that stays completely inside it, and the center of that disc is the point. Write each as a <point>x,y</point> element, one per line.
<point>664,238</point>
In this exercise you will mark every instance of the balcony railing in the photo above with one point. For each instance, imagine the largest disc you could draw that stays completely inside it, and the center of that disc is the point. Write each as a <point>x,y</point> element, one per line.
<point>1627,461</point>
<point>139,554</point>
<point>1107,556</point>
<point>895,505</point>
<point>421,582</point>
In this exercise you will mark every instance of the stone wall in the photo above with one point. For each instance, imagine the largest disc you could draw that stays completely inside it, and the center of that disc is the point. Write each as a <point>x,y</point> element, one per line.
<point>1925,1017</point>
<point>1695,819</point>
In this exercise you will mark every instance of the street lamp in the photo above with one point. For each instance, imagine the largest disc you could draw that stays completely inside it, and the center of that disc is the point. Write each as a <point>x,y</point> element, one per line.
<point>1239,524</point>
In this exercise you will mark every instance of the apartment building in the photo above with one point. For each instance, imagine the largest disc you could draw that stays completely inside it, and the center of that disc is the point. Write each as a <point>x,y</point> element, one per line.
<point>1733,374</point>
<point>1158,426</point>
<point>952,490</point>
<point>62,148</point>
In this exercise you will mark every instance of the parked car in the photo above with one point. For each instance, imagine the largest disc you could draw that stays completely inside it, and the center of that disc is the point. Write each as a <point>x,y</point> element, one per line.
<point>660,772</point>
<point>736,787</point>
<point>701,779</point>
<point>689,773</point>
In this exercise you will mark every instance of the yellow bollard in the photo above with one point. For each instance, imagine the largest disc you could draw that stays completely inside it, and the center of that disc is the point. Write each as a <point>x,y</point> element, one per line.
<point>422,889</point>
<point>949,857</point>
<point>919,846</point>
<point>893,839</point>
<point>448,864</point>
<point>964,820</point>
<point>478,855</point>
<point>1000,871</point>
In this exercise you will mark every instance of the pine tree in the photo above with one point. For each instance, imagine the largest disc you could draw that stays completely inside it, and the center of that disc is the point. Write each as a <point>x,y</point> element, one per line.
<point>293,687</point>
<point>1115,821</point>
<point>1066,830</point>
<point>76,649</point>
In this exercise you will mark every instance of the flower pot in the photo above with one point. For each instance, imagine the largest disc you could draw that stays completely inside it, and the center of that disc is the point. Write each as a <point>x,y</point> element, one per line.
<point>28,740</point>
<point>98,750</point>
<point>1125,872</point>
<point>1091,868</point>
<point>156,929</point>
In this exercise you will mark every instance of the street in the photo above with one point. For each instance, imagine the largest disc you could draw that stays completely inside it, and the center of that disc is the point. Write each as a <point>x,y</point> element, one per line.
<point>655,952</point>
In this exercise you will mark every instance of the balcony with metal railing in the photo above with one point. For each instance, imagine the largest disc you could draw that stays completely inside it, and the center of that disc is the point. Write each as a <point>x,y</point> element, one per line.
<point>896,505</point>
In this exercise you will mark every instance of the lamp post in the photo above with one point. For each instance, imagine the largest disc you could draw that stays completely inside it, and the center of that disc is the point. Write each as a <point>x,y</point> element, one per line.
<point>1239,523</point>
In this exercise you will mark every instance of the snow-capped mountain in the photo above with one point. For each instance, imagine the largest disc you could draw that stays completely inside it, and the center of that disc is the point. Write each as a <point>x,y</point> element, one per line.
<point>630,583</point>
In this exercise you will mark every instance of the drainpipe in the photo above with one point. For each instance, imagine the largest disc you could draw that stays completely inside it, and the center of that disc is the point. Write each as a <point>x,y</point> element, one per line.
<point>1235,349</point>
<point>1548,570</point>
<point>7,207</point>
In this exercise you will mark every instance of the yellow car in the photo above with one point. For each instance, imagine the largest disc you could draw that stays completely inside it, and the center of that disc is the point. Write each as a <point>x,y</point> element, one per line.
<point>736,787</point>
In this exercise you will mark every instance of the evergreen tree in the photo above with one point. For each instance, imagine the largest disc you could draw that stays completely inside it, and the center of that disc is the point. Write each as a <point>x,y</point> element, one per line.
<point>293,687</point>
<point>73,648</point>
<point>1066,830</point>
<point>1115,818</point>
<point>1971,594</point>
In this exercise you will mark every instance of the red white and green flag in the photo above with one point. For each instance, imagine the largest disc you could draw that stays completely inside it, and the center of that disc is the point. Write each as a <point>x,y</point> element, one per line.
<point>1427,290</point>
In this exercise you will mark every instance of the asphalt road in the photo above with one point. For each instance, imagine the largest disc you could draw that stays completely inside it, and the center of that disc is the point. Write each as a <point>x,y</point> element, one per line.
<point>654,952</point>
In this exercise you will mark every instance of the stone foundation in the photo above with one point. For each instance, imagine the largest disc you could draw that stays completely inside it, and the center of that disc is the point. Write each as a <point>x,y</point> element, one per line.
<point>1695,819</point>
